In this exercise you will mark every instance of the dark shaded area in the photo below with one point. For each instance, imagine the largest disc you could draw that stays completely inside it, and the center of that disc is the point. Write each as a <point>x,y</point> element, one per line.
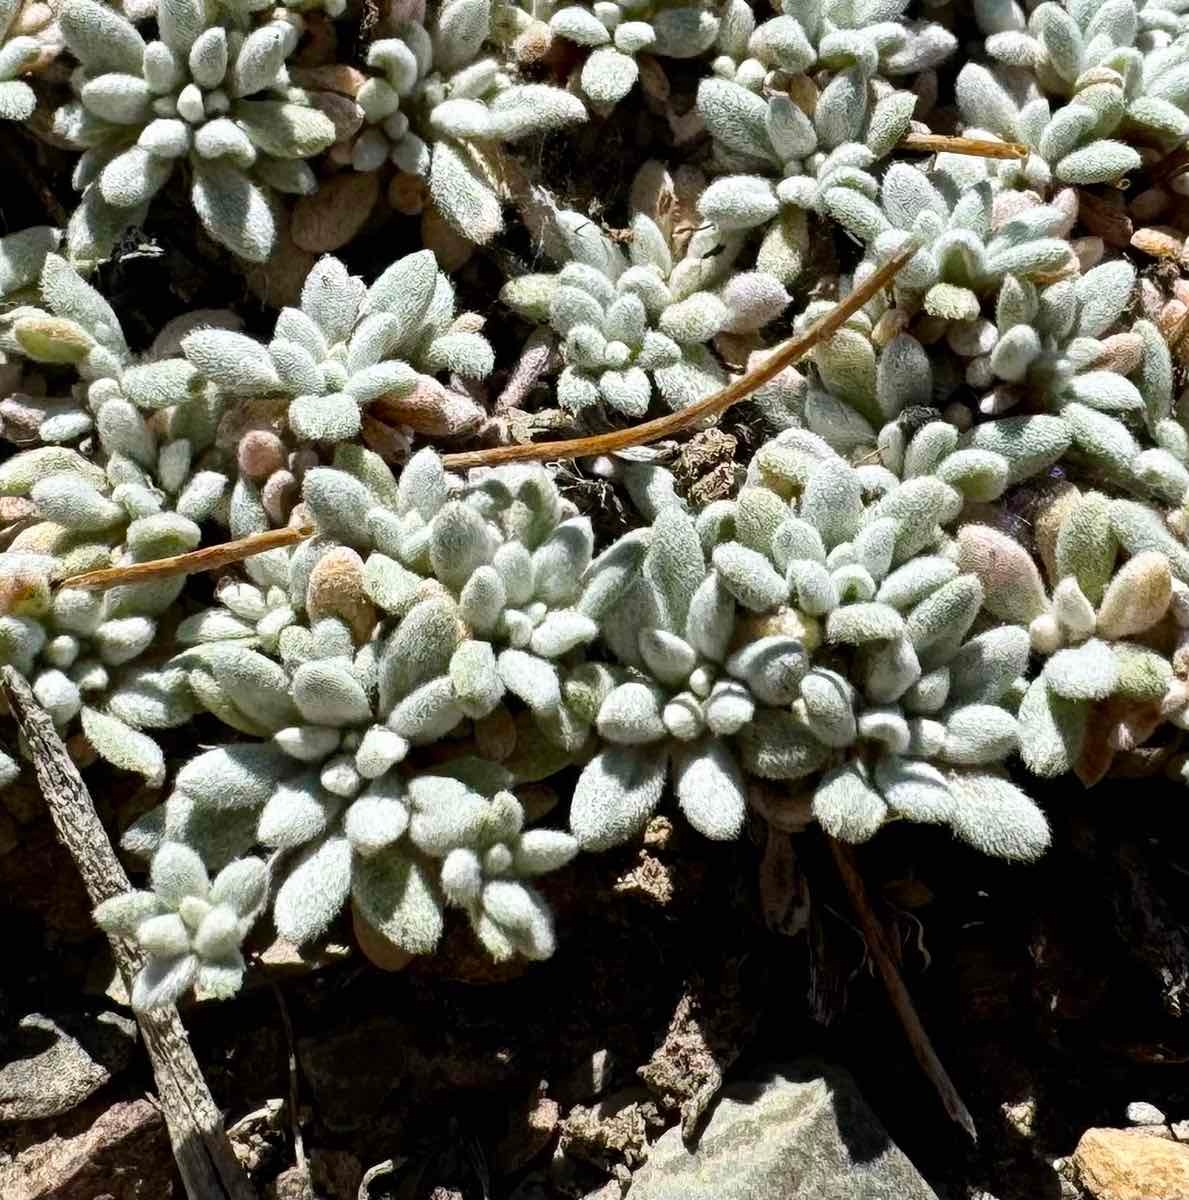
<point>1050,992</point>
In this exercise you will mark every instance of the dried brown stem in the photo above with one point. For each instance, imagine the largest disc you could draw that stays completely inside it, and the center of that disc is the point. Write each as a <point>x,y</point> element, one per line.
<point>205,1159</point>
<point>210,558</point>
<point>700,412</point>
<point>299,1152</point>
<point>877,946</point>
<point>940,143</point>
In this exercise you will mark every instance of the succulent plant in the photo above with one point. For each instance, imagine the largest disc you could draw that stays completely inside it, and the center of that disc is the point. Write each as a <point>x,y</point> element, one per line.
<point>22,256</point>
<point>476,587</point>
<point>1149,23</point>
<point>1119,66</point>
<point>616,31</point>
<point>78,328</point>
<point>968,540</point>
<point>1047,345</point>
<point>1052,349</point>
<point>1060,43</point>
<point>209,93</point>
<point>757,136</point>
<point>633,324</point>
<point>348,346</point>
<point>144,500</point>
<point>852,42</point>
<point>826,639</point>
<point>377,659</point>
<point>189,928</point>
<point>949,213</point>
<point>401,849</point>
<point>1104,683</point>
<point>78,648</point>
<point>440,111</point>
<point>887,410</point>
<point>19,53</point>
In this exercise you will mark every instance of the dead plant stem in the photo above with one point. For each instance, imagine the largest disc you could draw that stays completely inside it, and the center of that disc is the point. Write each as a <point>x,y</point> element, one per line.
<point>209,558</point>
<point>703,410</point>
<point>877,946</point>
<point>939,143</point>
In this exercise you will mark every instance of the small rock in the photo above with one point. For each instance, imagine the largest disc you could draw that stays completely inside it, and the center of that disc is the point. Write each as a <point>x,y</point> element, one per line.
<point>1140,1112</point>
<point>650,880</point>
<point>702,1042</point>
<point>49,1071</point>
<point>611,1190</point>
<point>124,1155</point>
<point>256,1137</point>
<point>613,1134</point>
<point>283,959</point>
<point>1115,1164</point>
<point>368,1073</point>
<point>292,1184</point>
<point>804,1134</point>
<point>1021,1116</point>
<point>1159,242</point>
<point>531,1127</point>
<point>705,467</point>
<point>41,881</point>
<point>279,281</point>
<point>450,248</point>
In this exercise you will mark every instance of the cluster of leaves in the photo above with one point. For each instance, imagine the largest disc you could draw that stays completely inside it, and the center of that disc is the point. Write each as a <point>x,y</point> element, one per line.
<point>439,110</point>
<point>209,94</point>
<point>809,630</point>
<point>1082,85</point>
<point>347,346</point>
<point>633,324</point>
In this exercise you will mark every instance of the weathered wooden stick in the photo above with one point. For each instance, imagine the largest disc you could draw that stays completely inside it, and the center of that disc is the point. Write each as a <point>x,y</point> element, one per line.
<point>940,143</point>
<point>694,414</point>
<point>205,1159</point>
<point>209,558</point>
<point>877,945</point>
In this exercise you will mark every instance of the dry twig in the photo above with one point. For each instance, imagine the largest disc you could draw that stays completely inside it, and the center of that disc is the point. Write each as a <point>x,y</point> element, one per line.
<point>939,143</point>
<point>299,1150</point>
<point>877,947</point>
<point>205,1159</point>
<point>698,413</point>
<point>209,558</point>
<point>387,1167</point>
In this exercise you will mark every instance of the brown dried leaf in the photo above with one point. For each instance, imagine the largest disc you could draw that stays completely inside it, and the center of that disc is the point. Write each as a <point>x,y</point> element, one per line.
<point>430,409</point>
<point>336,212</point>
<point>336,77</point>
<point>1159,241</point>
<point>377,949</point>
<point>407,193</point>
<point>345,115</point>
